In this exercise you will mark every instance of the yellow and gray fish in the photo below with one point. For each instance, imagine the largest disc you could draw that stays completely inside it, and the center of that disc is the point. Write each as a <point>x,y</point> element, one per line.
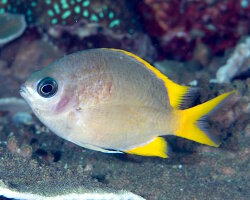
<point>111,100</point>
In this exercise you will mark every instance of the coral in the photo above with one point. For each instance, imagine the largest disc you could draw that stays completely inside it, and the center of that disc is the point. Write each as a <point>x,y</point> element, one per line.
<point>67,12</point>
<point>75,25</point>
<point>178,25</point>
<point>238,62</point>
<point>12,26</point>
<point>84,35</point>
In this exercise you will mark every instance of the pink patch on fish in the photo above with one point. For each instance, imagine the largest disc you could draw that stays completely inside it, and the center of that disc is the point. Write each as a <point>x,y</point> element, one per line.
<point>62,104</point>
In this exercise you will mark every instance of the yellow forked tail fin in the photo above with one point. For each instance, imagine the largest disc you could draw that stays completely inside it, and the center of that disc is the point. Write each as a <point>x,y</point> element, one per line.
<point>192,124</point>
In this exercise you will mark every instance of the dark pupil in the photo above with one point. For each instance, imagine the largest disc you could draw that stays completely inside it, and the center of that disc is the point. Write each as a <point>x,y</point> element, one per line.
<point>47,87</point>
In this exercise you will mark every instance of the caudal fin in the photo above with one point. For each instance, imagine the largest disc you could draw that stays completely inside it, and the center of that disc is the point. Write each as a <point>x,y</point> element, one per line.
<point>192,124</point>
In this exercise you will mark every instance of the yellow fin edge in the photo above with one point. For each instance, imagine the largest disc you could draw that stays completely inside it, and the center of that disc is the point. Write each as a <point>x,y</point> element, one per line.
<point>157,147</point>
<point>175,91</point>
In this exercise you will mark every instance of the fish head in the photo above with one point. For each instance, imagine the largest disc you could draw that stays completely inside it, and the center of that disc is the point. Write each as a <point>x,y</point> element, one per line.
<point>49,92</point>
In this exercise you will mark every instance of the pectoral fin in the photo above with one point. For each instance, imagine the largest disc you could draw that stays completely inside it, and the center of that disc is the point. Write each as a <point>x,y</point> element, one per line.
<point>157,147</point>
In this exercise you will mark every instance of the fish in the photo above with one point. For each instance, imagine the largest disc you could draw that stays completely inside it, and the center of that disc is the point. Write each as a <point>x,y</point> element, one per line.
<point>113,101</point>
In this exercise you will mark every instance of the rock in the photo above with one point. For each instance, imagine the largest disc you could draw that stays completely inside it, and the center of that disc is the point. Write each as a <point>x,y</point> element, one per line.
<point>202,54</point>
<point>14,105</point>
<point>22,118</point>
<point>25,151</point>
<point>34,56</point>
<point>238,62</point>
<point>83,194</point>
<point>12,144</point>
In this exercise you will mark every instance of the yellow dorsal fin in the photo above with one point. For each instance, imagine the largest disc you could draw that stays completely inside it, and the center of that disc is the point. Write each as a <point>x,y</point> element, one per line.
<point>157,147</point>
<point>176,92</point>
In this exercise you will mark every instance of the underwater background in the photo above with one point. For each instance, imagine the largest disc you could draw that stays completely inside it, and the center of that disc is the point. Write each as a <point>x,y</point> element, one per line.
<point>202,43</point>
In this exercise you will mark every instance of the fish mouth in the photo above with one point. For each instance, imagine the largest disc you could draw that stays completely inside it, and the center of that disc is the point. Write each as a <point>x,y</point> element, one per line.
<point>23,91</point>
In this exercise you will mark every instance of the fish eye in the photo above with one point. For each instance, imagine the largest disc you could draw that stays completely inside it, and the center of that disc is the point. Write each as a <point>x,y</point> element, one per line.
<point>47,87</point>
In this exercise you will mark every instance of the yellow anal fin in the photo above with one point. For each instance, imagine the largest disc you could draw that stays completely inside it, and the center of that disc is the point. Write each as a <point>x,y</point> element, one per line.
<point>177,94</point>
<point>157,147</point>
<point>192,121</point>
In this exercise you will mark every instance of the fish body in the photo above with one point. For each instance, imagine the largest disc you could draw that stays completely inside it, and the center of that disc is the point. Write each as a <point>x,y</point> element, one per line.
<point>113,101</point>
